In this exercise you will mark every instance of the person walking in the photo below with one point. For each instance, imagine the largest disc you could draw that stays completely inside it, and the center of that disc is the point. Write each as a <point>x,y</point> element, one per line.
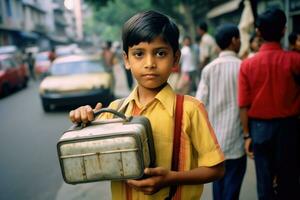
<point>218,91</point>
<point>269,101</point>
<point>187,83</point>
<point>208,47</point>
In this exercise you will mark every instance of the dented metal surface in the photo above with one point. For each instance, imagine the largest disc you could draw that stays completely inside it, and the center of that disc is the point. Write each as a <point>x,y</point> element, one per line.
<point>106,151</point>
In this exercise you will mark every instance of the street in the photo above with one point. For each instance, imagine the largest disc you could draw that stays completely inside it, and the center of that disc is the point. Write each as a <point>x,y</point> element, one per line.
<point>29,163</point>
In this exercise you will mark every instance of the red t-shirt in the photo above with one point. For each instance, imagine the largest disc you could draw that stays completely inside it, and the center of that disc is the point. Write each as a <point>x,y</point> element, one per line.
<point>267,83</point>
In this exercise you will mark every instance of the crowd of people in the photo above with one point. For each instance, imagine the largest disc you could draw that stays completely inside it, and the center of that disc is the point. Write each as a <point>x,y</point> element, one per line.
<point>252,103</point>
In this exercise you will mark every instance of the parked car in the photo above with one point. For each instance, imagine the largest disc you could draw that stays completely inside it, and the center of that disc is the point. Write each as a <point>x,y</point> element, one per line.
<point>76,80</point>
<point>12,74</point>
<point>42,64</point>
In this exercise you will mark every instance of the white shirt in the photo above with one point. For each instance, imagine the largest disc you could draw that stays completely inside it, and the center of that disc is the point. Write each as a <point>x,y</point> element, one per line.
<point>218,91</point>
<point>208,47</point>
<point>187,59</point>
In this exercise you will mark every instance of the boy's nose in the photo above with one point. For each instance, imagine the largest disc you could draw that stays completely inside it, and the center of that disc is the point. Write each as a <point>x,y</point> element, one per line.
<point>150,62</point>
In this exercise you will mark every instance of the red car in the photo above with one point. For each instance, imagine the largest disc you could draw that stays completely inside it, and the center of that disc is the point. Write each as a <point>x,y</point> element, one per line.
<point>12,74</point>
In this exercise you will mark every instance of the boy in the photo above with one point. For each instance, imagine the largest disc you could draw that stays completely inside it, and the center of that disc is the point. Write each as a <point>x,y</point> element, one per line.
<point>151,49</point>
<point>269,101</point>
<point>218,92</point>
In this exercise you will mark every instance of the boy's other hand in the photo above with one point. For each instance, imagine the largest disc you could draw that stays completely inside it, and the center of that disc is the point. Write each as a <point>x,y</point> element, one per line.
<point>157,179</point>
<point>84,114</point>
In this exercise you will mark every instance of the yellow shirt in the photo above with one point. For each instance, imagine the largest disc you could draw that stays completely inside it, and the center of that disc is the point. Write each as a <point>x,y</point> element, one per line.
<point>199,146</point>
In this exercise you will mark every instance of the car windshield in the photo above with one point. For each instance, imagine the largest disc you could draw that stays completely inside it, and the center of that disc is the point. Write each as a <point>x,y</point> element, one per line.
<point>80,67</point>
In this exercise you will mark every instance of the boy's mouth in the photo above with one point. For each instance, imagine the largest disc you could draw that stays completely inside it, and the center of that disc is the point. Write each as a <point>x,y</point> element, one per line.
<point>150,75</point>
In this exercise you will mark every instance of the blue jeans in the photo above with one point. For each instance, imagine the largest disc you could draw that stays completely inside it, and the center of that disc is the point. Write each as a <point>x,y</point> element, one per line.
<point>276,147</point>
<point>228,187</point>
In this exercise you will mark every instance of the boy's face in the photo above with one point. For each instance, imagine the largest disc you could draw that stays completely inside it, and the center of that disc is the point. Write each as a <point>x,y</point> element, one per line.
<point>151,63</point>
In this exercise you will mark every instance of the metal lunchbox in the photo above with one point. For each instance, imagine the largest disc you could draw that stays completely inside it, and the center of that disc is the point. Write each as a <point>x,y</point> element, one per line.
<point>112,149</point>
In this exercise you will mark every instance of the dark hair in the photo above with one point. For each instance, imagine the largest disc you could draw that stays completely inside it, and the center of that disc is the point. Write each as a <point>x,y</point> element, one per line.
<point>271,24</point>
<point>146,26</point>
<point>203,26</point>
<point>293,37</point>
<point>225,33</point>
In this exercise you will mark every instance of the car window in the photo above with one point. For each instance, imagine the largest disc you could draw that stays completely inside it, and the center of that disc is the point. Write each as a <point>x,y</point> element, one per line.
<point>80,67</point>
<point>7,63</point>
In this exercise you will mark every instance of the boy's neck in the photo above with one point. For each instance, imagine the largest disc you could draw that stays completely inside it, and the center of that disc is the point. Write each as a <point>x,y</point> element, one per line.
<point>145,95</point>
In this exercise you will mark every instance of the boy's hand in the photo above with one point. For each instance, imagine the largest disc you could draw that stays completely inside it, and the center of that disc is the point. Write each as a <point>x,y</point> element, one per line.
<point>158,178</point>
<point>83,114</point>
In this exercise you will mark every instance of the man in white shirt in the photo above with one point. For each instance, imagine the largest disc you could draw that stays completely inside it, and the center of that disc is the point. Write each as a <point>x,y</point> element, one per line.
<point>218,91</point>
<point>188,66</point>
<point>208,47</point>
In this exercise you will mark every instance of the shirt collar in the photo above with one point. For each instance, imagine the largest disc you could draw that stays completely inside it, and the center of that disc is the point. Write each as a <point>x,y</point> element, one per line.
<point>227,53</point>
<point>166,97</point>
<point>267,46</point>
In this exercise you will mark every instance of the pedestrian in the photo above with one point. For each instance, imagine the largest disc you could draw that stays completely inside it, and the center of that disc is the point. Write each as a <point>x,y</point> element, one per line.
<point>52,55</point>
<point>294,42</point>
<point>187,83</point>
<point>108,57</point>
<point>208,47</point>
<point>218,91</point>
<point>269,100</point>
<point>151,49</point>
<point>30,63</point>
<point>255,42</point>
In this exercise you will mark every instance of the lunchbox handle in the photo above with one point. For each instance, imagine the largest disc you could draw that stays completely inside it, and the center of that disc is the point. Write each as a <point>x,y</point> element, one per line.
<point>119,114</point>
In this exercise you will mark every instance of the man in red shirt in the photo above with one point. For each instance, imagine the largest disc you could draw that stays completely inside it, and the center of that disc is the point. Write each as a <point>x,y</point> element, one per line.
<point>269,100</point>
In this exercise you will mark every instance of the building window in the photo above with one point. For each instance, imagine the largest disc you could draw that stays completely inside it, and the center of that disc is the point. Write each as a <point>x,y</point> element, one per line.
<point>8,8</point>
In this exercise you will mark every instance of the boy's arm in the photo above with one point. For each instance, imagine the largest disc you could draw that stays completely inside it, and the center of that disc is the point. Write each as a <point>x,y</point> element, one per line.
<point>161,177</point>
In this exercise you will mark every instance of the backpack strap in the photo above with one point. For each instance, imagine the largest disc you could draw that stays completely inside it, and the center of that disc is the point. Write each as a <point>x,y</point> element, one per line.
<point>176,140</point>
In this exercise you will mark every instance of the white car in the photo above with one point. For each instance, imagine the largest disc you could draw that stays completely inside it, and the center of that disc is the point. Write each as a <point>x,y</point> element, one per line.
<point>77,80</point>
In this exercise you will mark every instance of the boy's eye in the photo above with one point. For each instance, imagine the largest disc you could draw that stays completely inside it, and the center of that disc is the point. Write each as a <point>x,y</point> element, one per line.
<point>161,53</point>
<point>138,54</point>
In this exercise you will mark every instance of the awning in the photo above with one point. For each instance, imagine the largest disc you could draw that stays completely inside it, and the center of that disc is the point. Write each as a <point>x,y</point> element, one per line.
<point>224,8</point>
<point>29,35</point>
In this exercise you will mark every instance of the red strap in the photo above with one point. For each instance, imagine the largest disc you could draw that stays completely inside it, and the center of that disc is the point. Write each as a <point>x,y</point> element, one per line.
<point>177,132</point>
<point>176,140</point>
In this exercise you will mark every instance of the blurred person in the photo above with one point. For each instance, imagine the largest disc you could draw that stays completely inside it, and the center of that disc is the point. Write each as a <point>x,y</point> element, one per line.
<point>108,55</point>
<point>269,100</point>
<point>294,42</point>
<point>30,62</point>
<point>52,54</point>
<point>150,51</point>
<point>254,44</point>
<point>208,47</point>
<point>188,68</point>
<point>218,91</point>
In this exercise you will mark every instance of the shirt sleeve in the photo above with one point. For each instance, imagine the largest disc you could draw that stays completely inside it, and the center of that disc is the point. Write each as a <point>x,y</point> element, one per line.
<point>203,138</point>
<point>244,93</point>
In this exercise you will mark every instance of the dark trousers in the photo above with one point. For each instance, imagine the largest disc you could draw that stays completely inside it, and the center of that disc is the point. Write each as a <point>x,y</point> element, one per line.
<point>228,188</point>
<point>276,147</point>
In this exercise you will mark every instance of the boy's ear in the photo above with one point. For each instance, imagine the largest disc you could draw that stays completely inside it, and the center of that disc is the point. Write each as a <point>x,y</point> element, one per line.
<point>126,61</point>
<point>177,56</point>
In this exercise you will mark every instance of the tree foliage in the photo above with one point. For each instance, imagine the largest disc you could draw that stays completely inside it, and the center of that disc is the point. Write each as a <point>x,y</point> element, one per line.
<point>111,14</point>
